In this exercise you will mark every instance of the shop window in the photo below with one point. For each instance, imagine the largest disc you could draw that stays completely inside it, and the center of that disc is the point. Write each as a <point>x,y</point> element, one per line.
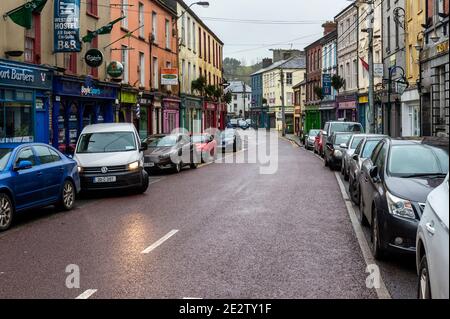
<point>32,50</point>
<point>92,7</point>
<point>16,122</point>
<point>70,62</point>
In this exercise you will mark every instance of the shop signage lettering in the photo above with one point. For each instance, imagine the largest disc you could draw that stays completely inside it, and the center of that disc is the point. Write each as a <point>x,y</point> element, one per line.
<point>90,91</point>
<point>442,47</point>
<point>326,84</point>
<point>169,77</point>
<point>66,26</point>
<point>14,74</point>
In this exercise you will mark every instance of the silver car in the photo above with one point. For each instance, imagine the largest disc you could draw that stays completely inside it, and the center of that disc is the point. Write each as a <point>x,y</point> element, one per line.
<point>432,246</point>
<point>362,152</point>
<point>310,138</point>
<point>352,144</point>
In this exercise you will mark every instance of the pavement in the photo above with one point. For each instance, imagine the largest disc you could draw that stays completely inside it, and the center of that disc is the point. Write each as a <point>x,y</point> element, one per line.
<point>220,231</point>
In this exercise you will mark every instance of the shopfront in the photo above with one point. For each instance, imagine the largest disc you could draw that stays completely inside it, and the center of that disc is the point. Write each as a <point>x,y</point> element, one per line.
<point>222,116</point>
<point>76,104</point>
<point>128,106</point>
<point>347,108</point>
<point>311,119</point>
<point>171,114</point>
<point>25,102</point>
<point>191,114</point>
<point>156,115</point>
<point>209,115</point>
<point>143,116</point>
<point>363,108</point>
<point>327,112</point>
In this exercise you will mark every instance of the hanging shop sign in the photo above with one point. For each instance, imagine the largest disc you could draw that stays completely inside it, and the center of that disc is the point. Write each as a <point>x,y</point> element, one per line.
<point>94,58</point>
<point>326,84</point>
<point>115,69</point>
<point>66,26</point>
<point>378,70</point>
<point>169,77</point>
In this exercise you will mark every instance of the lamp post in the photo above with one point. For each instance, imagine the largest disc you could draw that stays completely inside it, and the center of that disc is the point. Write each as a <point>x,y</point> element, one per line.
<point>419,47</point>
<point>403,81</point>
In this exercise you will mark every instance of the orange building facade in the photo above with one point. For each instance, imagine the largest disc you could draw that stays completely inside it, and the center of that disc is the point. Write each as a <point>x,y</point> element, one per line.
<point>145,43</point>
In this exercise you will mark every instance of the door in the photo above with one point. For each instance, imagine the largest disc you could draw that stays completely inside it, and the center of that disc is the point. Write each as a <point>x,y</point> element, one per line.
<point>29,182</point>
<point>52,169</point>
<point>374,186</point>
<point>365,180</point>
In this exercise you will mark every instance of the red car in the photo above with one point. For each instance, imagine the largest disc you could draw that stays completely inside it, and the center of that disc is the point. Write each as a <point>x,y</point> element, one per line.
<point>206,145</point>
<point>318,143</point>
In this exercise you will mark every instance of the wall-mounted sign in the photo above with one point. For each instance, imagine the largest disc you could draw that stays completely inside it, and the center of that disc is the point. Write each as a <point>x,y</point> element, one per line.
<point>66,26</point>
<point>378,70</point>
<point>94,58</point>
<point>442,47</point>
<point>90,91</point>
<point>326,84</point>
<point>169,77</point>
<point>21,75</point>
<point>115,69</point>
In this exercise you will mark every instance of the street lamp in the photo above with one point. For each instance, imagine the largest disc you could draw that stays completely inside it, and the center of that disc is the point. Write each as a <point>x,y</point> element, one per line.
<point>401,80</point>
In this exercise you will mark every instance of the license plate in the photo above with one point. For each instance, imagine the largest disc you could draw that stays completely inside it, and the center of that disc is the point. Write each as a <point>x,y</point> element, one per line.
<point>106,179</point>
<point>149,164</point>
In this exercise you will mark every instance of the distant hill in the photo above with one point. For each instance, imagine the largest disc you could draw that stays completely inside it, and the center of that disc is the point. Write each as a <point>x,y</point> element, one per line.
<point>235,71</point>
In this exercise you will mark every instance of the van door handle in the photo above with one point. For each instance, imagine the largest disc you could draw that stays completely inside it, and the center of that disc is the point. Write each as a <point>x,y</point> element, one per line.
<point>430,228</point>
<point>39,174</point>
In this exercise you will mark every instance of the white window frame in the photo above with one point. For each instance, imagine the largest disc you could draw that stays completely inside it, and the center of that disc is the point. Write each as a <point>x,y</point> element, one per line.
<point>125,62</point>
<point>155,68</point>
<point>124,9</point>
<point>168,34</point>
<point>142,68</point>
<point>155,26</point>
<point>141,20</point>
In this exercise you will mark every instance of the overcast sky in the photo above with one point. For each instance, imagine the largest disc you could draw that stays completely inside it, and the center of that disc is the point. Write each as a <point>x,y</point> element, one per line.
<point>250,42</point>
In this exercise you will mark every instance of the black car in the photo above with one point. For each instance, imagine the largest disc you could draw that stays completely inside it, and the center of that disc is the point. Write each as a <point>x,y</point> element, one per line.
<point>334,149</point>
<point>394,184</point>
<point>170,151</point>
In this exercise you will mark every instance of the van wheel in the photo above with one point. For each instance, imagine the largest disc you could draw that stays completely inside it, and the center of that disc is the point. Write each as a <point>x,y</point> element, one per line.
<point>6,212</point>
<point>145,183</point>
<point>67,199</point>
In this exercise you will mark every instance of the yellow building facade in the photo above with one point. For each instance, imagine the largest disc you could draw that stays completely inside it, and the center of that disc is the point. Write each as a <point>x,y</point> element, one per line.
<point>415,17</point>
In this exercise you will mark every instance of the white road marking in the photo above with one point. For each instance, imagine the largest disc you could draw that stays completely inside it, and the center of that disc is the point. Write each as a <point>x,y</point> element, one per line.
<point>191,298</point>
<point>160,241</point>
<point>382,292</point>
<point>87,294</point>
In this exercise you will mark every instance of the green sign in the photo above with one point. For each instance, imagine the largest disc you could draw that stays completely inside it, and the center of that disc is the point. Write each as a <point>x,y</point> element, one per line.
<point>115,69</point>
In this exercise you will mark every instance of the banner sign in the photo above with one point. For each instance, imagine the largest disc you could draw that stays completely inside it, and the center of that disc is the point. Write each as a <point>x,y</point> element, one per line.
<point>23,75</point>
<point>93,58</point>
<point>326,84</point>
<point>169,77</point>
<point>66,26</point>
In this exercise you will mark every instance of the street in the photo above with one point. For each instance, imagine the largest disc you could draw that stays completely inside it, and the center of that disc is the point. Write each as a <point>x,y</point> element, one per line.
<point>220,231</point>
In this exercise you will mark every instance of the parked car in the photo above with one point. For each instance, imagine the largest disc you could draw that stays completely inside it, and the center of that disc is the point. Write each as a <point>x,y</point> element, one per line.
<point>335,148</point>
<point>206,145</point>
<point>394,184</point>
<point>35,175</point>
<point>319,142</point>
<point>111,156</point>
<point>362,152</point>
<point>351,146</point>
<point>170,151</point>
<point>310,138</point>
<point>432,246</point>
<point>243,124</point>
<point>230,141</point>
<point>331,127</point>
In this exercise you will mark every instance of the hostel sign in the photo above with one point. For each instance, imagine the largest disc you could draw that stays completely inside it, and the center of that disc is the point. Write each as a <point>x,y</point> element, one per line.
<point>66,26</point>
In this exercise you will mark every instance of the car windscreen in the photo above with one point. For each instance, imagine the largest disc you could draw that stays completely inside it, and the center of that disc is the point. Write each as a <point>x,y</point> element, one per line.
<point>342,138</point>
<point>106,142</point>
<point>313,132</point>
<point>5,154</point>
<point>410,160</point>
<point>346,127</point>
<point>228,134</point>
<point>165,141</point>
<point>199,139</point>
<point>369,147</point>
<point>355,142</point>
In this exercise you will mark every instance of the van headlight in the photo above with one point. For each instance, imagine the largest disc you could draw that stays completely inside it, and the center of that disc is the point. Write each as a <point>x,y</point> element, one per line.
<point>133,166</point>
<point>80,169</point>
<point>400,207</point>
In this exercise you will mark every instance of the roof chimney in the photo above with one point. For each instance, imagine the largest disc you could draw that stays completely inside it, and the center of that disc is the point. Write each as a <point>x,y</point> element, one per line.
<point>328,27</point>
<point>266,62</point>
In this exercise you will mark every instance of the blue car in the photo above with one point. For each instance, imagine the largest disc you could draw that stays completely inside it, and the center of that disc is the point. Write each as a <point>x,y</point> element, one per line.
<point>35,175</point>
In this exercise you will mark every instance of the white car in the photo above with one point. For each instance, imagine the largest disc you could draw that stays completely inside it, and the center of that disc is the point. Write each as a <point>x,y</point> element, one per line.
<point>432,246</point>
<point>110,156</point>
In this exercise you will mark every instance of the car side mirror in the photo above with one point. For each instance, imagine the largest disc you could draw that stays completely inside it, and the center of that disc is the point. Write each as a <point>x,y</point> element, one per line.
<point>212,137</point>
<point>144,147</point>
<point>343,145</point>
<point>23,165</point>
<point>374,172</point>
<point>356,157</point>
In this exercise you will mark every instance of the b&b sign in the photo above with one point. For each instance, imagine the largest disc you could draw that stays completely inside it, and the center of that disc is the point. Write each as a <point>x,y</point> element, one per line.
<point>66,26</point>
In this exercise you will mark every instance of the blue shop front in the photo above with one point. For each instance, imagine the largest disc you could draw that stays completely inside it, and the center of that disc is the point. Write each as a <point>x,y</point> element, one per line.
<point>78,102</point>
<point>25,97</point>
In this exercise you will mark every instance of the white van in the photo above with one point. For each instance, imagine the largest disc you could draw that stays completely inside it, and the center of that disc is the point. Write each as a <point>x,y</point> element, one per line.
<point>110,156</point>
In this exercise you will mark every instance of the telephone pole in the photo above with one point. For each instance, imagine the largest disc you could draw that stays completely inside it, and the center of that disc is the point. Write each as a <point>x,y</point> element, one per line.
<point>245,95</point>
<point>371,113</point>
<point>283,117</point>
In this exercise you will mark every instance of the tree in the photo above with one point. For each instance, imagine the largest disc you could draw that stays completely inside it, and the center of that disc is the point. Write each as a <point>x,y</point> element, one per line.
<point>337,82</point>
<point>319,92</point>
<point>210,91</point>
<point>264,101</point>
<point>228,97</point>
<point>199,85</point>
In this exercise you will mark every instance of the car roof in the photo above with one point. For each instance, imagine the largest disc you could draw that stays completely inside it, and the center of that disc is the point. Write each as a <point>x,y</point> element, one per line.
<point>15,145</point>
<point>347,122</point>
<point>441,142</point>
<point>109,127</point>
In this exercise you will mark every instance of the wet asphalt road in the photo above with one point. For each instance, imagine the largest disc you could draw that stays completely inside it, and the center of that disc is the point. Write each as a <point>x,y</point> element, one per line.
<point>240,235</point>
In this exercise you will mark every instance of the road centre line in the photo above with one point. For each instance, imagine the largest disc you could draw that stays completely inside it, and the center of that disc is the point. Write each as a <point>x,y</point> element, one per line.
<point>87,294</point>
<point>159,242</point>
<point>382,292</point>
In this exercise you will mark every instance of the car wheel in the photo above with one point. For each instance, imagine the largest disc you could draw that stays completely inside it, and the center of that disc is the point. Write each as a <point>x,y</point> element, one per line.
<point>6,212</point>
<point>177,167</point>
<point>145,182</point>
<point>423,287</point>
<point>376,240</point>
<point>67,199</point>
